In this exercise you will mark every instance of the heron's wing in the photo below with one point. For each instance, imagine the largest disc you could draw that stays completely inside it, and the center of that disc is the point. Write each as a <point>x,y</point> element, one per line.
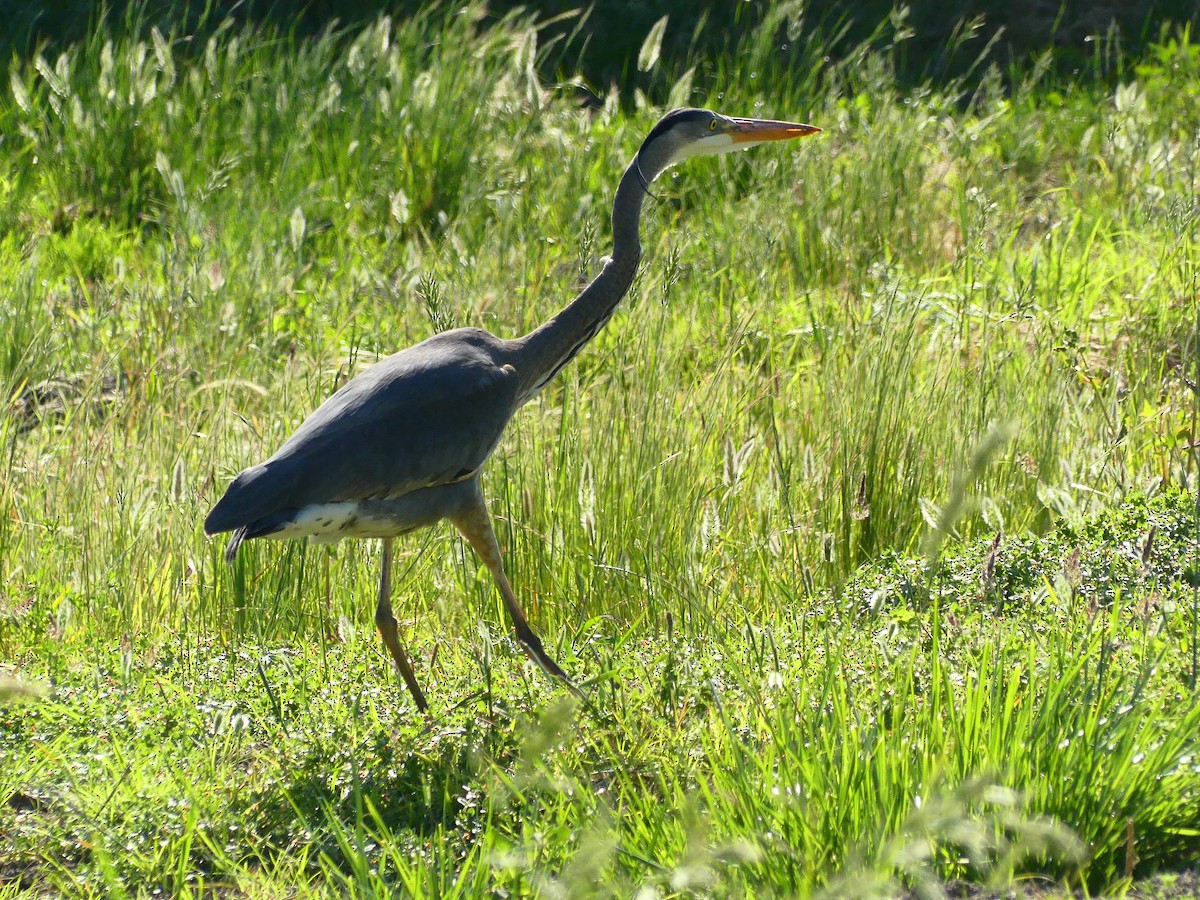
<point>426,416</point>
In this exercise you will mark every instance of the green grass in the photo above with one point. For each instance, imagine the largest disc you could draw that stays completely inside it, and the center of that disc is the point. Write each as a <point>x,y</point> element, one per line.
<point>869,520</point>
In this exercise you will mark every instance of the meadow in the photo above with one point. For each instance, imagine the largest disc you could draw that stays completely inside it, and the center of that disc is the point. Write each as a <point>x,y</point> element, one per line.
<point>868,523</point>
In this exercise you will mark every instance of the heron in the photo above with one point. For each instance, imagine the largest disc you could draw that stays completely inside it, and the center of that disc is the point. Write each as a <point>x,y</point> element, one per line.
<point>401,446</point>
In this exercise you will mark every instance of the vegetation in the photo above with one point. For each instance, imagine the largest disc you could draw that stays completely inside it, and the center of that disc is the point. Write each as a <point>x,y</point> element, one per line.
<point>601,40</point>
<point>869,521</point>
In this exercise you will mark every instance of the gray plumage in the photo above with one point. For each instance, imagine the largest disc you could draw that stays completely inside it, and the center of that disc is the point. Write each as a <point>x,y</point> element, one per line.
<point>426,416</point>
<point>401,445</point>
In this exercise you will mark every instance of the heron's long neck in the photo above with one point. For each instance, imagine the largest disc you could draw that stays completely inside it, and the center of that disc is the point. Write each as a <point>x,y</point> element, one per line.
<point>545,350</point>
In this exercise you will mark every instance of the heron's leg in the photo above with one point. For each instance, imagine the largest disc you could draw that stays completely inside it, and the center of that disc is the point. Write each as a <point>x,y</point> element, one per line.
<point>386,623</point>
<point>476,526</point>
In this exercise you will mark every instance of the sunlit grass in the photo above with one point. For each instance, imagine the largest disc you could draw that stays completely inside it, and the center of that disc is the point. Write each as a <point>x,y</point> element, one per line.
<point>719,515</point>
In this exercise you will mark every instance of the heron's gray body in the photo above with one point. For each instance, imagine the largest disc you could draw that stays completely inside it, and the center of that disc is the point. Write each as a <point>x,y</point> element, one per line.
<point>328,523</point>
<point>401,446</point>
<point>375,452</point>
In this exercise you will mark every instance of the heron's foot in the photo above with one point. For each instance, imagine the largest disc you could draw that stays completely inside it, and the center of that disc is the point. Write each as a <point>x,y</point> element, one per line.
<point>532,645</point>
<point>388,631</point>
<point>410,680</point>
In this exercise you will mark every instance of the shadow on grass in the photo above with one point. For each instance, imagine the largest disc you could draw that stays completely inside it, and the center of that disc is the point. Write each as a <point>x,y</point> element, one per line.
<point>1089,40</point>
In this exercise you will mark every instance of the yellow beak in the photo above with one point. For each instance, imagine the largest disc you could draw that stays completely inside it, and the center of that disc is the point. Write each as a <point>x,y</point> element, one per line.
<point>759,130</point>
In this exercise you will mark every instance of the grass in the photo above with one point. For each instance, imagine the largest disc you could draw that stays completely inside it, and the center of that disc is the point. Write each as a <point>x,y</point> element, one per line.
<point>869,520</point>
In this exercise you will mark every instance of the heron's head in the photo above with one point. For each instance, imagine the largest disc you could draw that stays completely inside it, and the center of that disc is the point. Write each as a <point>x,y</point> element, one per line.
<point>684,133</point>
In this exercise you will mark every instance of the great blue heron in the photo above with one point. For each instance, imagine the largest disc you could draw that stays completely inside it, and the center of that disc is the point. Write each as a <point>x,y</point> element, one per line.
<point>401,445</point>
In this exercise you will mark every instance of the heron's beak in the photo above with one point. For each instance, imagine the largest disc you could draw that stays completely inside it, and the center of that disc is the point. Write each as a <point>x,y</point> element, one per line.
<point>755,131</point>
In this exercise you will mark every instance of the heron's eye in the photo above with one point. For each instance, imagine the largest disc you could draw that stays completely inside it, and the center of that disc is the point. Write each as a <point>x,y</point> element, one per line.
<point>712,126</point>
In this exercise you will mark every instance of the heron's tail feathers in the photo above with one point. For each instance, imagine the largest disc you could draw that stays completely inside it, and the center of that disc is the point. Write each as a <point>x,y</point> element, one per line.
<point>235,541</point>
